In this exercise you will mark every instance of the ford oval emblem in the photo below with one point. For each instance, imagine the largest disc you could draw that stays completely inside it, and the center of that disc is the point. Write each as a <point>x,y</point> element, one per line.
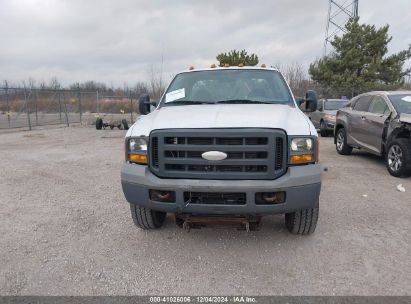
<point>214,155</point>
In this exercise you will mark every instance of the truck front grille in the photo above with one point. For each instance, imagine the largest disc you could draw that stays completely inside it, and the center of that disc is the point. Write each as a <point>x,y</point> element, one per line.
<point>215,198</point>
<point>251,153</point>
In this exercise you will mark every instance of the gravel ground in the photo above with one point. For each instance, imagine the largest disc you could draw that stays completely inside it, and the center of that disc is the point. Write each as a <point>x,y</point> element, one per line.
<point>66,229</point>
<point>20,120</point>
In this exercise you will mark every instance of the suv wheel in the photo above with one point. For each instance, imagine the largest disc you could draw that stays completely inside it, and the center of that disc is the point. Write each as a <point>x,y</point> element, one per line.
<point>323,129</point>
<point>341,143</point>
<point>398,157</point>
<point>146,218</point>
<point>303,221</point>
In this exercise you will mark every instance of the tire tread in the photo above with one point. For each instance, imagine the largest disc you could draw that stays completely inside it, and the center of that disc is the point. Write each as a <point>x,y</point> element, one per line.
<point>146,218</point>
<point>302,222</point>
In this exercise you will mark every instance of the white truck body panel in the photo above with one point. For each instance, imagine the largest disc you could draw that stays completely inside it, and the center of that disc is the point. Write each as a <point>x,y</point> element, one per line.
<point>290,119</point>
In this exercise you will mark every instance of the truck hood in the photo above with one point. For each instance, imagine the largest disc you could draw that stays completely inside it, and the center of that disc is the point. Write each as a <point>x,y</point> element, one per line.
<point>290,119</point>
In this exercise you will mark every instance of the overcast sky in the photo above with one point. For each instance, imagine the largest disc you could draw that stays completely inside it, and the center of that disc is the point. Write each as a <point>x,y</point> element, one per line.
<point>118,41</point>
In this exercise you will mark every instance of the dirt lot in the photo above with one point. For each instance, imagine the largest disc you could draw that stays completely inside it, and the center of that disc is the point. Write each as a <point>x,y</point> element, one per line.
<point>20,120</point>
<point>66,230</point>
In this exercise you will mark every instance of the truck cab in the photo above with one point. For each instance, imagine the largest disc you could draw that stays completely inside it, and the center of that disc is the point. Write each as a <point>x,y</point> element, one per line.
<point>224,145</point>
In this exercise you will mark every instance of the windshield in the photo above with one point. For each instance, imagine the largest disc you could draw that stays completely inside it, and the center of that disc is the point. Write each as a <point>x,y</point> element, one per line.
<point>335,104</point>
<point>228,86</point>
<point>401,102</point>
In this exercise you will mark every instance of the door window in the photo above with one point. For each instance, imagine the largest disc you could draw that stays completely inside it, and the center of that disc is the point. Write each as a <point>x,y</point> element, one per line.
<point>363,103</point>
<point>378,105</point>
<point>320,105</point>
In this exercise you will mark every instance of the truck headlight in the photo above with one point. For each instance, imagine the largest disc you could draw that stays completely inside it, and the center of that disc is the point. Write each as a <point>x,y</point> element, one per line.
<point>302,150</point>
<point>136,150</point>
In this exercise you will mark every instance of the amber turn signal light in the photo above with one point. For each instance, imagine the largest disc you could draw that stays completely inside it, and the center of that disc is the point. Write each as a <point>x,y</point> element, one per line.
<point>138,158</point>
<point>303,158</point>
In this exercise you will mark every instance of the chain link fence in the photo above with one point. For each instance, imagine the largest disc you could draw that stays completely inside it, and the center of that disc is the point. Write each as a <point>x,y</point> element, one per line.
<point>27,108</point>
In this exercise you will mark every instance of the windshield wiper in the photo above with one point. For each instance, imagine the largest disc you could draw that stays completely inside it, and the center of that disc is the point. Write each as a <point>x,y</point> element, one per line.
<point>187,102</point>
<point>243,101</point>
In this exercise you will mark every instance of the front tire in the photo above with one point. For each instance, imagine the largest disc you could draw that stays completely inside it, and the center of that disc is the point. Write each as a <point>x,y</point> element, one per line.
<point>125,124</point>
<point>341,144</point>
<point>99,123</point>
<point>304,221</point>
<point>398,157</point>
<point>323,129</point>
<point>146,218</point>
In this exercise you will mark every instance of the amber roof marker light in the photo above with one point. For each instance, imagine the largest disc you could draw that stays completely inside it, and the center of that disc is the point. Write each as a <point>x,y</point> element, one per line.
<point>191,68</point>
<point>226,65</point>
<point>213,66</point>
<point>241,65</point>
<point>263,65</point>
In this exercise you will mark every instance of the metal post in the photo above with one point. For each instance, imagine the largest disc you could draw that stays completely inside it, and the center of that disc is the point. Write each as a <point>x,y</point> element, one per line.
<point>36,106</point>
<point>98,111</point>
<point>26,105</point>
<point>79,105</point>
<point>7,104</point>
<point>131,109</point>
<point>65,111</point>
<point>60,105</point>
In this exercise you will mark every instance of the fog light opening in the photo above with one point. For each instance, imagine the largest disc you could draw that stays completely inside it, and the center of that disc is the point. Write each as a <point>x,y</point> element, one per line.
<point>162,196</point>
<point>269,198</point>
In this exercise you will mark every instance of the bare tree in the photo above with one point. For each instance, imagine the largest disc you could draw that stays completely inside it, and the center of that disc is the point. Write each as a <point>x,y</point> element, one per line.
<point>31,83</point>
<point>296,76</point>
<point>140,88</point>
<point>156,85</point>
<point>54,83</point>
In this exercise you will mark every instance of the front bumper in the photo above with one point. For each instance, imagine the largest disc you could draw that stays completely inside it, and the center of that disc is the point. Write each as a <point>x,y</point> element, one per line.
<point>302,185</point>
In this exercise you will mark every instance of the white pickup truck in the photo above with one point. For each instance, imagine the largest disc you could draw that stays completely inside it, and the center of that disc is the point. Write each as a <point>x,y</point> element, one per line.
<point>224,145</point>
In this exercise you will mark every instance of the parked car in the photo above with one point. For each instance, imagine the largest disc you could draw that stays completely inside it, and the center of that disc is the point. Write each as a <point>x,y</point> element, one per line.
<point>380,123</point>
<point>324,117</point>
<point>224,146</point>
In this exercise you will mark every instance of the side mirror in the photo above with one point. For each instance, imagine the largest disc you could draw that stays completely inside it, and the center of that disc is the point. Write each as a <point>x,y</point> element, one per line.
<point>299,101</point>
<point>144,104</point>
<point>310,101</point>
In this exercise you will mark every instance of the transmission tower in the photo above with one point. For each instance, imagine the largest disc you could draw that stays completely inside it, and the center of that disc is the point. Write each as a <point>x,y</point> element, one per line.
<point>339,12</point>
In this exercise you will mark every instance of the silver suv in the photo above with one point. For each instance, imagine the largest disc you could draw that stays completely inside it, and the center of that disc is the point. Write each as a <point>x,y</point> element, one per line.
<point>380,123</point>
<point>324,117</point>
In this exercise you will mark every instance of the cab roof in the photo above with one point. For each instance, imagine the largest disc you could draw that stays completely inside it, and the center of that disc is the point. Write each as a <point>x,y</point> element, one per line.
<point>218,68</point>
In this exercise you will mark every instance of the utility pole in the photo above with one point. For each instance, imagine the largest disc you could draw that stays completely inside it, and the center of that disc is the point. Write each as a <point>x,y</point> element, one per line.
<point>339,12</point>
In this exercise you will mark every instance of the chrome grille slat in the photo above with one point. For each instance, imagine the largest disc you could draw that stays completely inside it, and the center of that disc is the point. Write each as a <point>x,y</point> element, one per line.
<point>200,161</point>
<point>234,148</point>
